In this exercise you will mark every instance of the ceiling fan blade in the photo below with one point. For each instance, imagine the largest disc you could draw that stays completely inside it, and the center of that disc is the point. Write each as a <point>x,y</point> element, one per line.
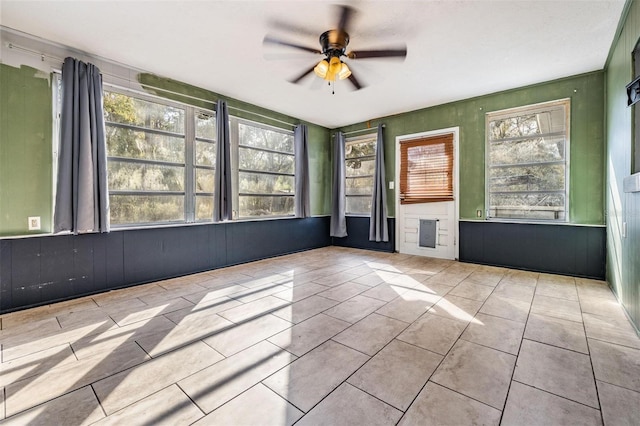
<point>346,13</point>
<point>281,25</point>
<point>273,40</point>
<point>355,82</point>
<point>303,75</point>
<point>381,53</point>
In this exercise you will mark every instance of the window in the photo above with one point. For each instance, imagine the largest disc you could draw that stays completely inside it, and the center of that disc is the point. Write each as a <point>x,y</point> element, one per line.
<point>426,169</point>
<point>360,161</point>
<point>527,162</point>
<point>266,169</point>
<point>160,166</point>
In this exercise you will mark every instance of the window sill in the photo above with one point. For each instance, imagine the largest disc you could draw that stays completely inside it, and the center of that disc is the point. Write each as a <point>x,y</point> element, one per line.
<point>532,222</point>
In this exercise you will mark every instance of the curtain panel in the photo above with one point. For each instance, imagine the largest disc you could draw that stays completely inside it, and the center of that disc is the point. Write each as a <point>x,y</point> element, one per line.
<point>222,197</point>
<point>378,227</point>
<point>302,203</point>
<point>82,199</point>
<point>338,201</point>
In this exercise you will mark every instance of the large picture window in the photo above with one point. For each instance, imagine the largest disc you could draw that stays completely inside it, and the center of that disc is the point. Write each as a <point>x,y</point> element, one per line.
<point>527,162</point>
<point>360,162</point>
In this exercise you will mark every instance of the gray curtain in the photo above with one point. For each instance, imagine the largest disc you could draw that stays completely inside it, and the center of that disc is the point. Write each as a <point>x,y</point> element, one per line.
<point>338,218</point>
<point>302,208</point>
<point>82,199</point>
<point>378,228</point>
<point>222,197</point>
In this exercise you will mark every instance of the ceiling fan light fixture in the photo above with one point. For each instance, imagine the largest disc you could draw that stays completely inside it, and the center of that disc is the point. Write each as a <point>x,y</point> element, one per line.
<point>345,72</point>
<point>322,68</point>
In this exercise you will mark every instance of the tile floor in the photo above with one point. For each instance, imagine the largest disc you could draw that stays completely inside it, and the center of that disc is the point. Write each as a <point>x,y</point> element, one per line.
<point>328,336</point>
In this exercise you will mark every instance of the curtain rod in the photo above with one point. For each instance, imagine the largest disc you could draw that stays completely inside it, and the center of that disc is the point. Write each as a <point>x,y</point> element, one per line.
<point>45,55</point>
<point>359,131</point>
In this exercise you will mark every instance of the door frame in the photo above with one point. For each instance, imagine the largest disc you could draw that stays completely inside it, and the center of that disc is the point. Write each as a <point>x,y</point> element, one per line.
<point>456,180</point>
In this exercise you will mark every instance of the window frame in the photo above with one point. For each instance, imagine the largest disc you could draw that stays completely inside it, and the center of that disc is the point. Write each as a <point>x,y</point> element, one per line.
<point>234,126</point>
<point>519,111</point>
<point>189,164</point>
<point>355,139</point>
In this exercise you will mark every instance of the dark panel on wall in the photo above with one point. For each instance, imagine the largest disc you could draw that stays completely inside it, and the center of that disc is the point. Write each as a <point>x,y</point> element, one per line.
<point>358,235</point>
<point>561,249</point>
<point>36,271</point>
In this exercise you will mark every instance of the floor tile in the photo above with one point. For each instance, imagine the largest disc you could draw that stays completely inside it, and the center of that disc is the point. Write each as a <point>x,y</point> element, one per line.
<point>355,309</point>
<point>348,405</point>
<point>371,333</point>
<point>35,364</point>
<point>170,406</point>
<point>620,332</point>
<point>310,378</point>
<point>344,291</point>
<point>557,332</point>
<point>615,364</point>
<point>114,338</point>
<point>397,373</point>
<point>304,309</point>
<point>620,406</point>
<point>456,308</point>
<point>150,311</point>
<point>410,306</point>
<point>513,291</point>
<point>255,293</point>
<point>29,316</point>
<point>267,407</point>
<point>565,290</point>
<point>478,372</point>
<point>435,333</point>
<point>204,308</point>
<point>300,292</point>
<point>529,279</point>
<point>531,406</point>
<point>503,307</point>
<point>386,292</point>
<point>27,331</point>
<point>123,389</point>
<point>436,405</point>
<point>57,381</point>
<point>303,337</point>
<point>221,382</point>
<point>488,278</point>
<point>84,317</point>
<point>559,371</point>
<point>471,290</point>
<point>371,279</point>
<point>254,309</point>
<point>335,279</point>
<point>495,332</point>
<point>558,308</point>
<point>188,331</point>
<point>241,336</point>
<point>79,407</point>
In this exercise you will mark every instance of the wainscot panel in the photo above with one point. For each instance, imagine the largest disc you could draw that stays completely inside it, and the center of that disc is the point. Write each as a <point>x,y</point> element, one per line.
<point>358,235</point>
<point>41,270</point>
<point>559,249</point>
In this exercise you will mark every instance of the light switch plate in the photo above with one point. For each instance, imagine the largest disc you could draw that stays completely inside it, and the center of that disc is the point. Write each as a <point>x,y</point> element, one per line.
<point>392,184</point>
<point>34,223</point>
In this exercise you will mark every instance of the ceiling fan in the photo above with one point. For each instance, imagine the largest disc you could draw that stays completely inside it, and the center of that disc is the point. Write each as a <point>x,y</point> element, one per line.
<point>333,46</point>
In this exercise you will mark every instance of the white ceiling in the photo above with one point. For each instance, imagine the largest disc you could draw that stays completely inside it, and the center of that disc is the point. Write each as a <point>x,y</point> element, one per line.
<point>456,49</point>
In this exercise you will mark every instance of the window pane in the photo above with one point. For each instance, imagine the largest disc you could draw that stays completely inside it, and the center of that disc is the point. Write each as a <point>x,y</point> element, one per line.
<point>358,205</point>
<point>205,153</point>
<point>253,206</point>
<point>128,209</point>
<point>360,167</point>
<point>257,183</point>
<point>359,186</point>
<point>204,207</point>
<point>264,138</point>
<point>119,108</point>
<point>354,149</point>
<point>536,150</point>
<point>144,177</point>
<point>205,180</point>
<point>512,127</point>
<point>148,146</point>
<point>529,206</point>
<point>529,178</point>
<point>252,159</point>
<point>205,126</point>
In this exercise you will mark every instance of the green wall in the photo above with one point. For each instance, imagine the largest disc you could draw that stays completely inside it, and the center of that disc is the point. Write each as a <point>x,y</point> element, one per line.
<point>586,197</point>
<point>25,149</point>
<point>623,253</point>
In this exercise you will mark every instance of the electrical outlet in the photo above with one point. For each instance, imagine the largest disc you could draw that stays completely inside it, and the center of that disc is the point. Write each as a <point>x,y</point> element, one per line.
<point>34,223</point>
<point>392,184</point>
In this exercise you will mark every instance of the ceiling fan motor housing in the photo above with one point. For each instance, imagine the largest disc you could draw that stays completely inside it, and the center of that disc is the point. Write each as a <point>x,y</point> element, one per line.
<point>334,43</point>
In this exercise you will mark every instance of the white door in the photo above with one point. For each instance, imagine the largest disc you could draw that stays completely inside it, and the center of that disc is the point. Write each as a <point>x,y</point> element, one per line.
<point>444,213</point>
